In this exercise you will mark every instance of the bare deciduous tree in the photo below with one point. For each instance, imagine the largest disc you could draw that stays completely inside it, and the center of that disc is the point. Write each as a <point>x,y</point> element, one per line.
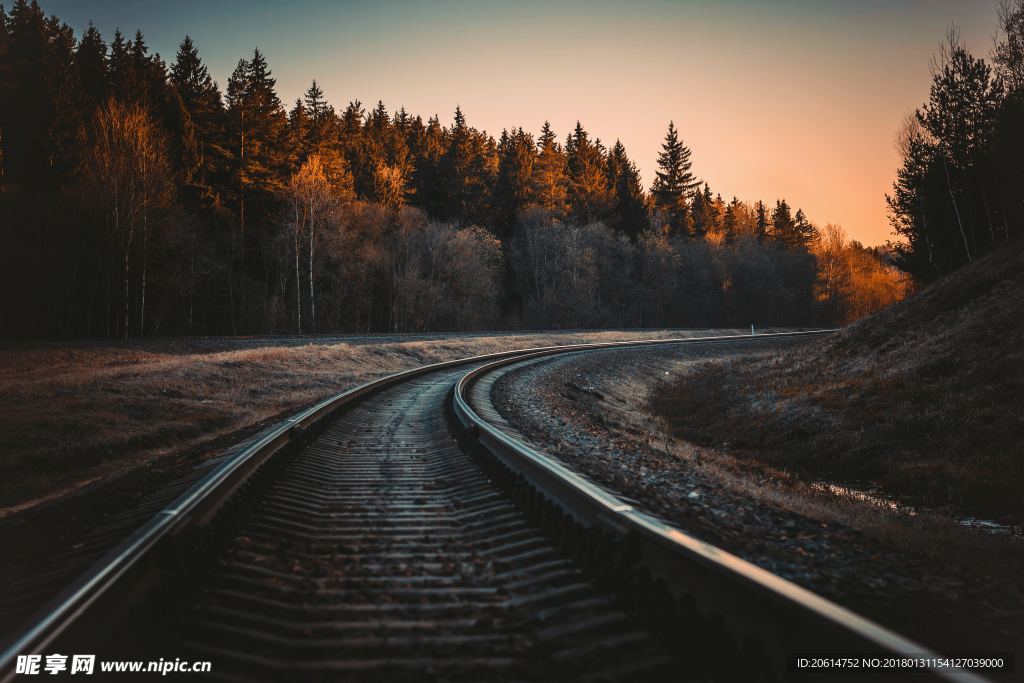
<point>125,176</point>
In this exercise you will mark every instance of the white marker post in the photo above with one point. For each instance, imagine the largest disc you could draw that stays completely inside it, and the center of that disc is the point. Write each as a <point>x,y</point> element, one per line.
<point>751,329</point>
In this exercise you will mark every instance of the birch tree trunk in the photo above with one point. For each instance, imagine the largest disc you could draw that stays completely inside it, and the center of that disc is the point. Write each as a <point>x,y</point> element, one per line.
<point>125,176</point>
<point>298,282</point>
<point>145,245</point>
<point>127,297</point>
<point>956,209</point>
<point>312,298</point>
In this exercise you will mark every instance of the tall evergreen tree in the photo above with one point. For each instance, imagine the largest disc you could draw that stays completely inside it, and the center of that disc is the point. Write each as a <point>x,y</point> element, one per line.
<point>354,146</point>
<point>703,218</point>
<point>323,137</point>
<point>258,128</point>
<point>429,144</point>
<point>782,223</point>
<point>389,167</point>
<point>63,119</point>
<point>467,171</point>
<point>589,195</point>
<point>40,115</point>
<point>1007,164</point>
<point>624,181</point>
<point>730,221</point>
<point>298,134</point>
<point>674,181</point>
<point>91,63</point>
<point>960,116</point>
<point>517,153</point>
<point>549,182</point>
<point>804,232</point>
<point>119,63</point>
<point>142,78</point>
<point>201,98</point>
<point>761,223</point>
<point>930,242</point>
<point>320,114</point>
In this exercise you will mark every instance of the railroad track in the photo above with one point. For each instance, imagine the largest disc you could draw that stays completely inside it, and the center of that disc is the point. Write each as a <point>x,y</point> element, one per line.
<point>255,341</point>
<point>393,533</point>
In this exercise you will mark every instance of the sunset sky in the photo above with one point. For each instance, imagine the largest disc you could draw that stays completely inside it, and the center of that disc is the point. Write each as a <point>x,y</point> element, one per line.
<point>791,98</point>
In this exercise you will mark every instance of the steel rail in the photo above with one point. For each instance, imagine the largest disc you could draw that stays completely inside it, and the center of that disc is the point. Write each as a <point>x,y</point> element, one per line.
<point>200,504</point>
<point>781,616</point>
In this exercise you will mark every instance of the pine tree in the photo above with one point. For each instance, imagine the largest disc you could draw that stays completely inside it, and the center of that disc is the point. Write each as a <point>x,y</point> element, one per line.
<point>320,114</point>
<point>428,145</point>
<point>549,182</point>
<point>323,137</point>
<point>354,147</point>
<point>703,219</point>
<point>730,221</point>
<point>624,182</point>
<point>137,77</point>
<point>40,114</point>
<point>960,116</point>
<point>201,98</point>
<point>265,129</point>
<point>1007,159</point>
<point>258,128</point>
<point>760,220</point>
<point>62,120</point>
<point>674,182</point>
<point>930,242</point>
<point>589,195</point>
<point>402,123</point>
<point>91,63</point>
<point>782,223</point>
<point>298,135</point>
<point>141,80</point>
<point>389,166</point>
<point>804,232</point>
<point>119,64</point>
<point>467,171</point>
<point>718,215</point>
<point>517,153</point>
<point>23,109</point>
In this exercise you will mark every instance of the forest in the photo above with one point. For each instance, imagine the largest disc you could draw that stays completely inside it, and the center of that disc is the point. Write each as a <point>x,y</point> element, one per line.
<point>960,190</point>
<point>139,198</point>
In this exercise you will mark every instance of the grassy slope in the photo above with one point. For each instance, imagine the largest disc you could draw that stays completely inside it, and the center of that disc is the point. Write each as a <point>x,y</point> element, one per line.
<point>925,399</point>
<point>78,415</point>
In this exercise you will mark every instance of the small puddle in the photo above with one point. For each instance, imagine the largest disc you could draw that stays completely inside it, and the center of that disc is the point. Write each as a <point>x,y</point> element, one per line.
<point>983,523</point>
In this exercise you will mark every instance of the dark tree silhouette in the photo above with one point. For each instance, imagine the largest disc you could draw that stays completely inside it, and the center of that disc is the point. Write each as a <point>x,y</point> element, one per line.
<point>674,182</point>
<point>139,198</point>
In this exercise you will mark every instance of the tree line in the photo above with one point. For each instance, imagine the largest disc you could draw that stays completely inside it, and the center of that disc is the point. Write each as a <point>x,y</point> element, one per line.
<point>958,193</point>
<point>139,198</point>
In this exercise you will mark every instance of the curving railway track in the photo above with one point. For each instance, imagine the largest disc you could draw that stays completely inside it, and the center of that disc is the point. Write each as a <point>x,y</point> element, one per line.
<point>396,532</point>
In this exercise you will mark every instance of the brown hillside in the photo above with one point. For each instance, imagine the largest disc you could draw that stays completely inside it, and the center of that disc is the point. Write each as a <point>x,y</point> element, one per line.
<point>924,400</point>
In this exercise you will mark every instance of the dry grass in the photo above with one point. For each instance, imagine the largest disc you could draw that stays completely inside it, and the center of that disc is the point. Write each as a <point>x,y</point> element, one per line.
<point>78,414</point>
<point>622,411</point>
<point>922,574</point>
<point>923,401</point>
